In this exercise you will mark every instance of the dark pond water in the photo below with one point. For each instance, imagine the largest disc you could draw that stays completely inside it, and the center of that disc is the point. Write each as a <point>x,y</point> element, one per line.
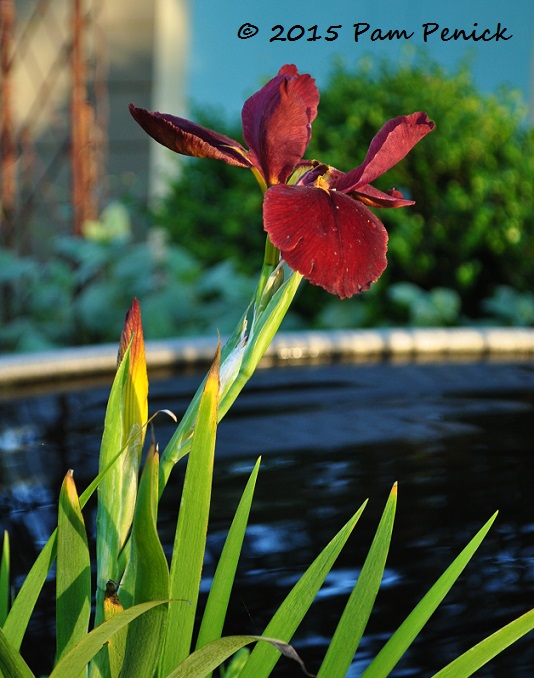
<point>456,436</point>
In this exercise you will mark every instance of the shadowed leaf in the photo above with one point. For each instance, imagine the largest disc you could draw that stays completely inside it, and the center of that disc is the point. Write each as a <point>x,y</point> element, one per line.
<point>4,579</point>
<point>212,655</point>
<point>146,578</point>
<point>190,538</point>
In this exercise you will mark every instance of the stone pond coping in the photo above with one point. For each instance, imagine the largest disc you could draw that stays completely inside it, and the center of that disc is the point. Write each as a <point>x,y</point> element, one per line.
<point>286,348</point>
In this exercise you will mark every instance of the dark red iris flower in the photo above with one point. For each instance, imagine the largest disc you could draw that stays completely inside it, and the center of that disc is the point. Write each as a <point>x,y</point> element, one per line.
<point>314,214</point>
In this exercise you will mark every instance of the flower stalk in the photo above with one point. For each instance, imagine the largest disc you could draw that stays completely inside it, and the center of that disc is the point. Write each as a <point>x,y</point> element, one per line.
<point>317,218</point>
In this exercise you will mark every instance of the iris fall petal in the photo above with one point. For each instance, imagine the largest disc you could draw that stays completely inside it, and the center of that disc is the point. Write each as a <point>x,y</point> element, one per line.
<point>332,240</point>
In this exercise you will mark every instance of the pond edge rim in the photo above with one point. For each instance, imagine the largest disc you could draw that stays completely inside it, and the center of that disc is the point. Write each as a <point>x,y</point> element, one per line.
<point>298,347</point>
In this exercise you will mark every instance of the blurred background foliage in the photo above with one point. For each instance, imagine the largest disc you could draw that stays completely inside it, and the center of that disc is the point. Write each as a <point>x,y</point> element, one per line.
<point>79,294</point>
<point>462,254</point>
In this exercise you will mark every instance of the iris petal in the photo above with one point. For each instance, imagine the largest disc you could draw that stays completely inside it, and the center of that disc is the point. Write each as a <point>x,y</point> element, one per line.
<point>332,240</point>
<point>188,138</point>
<point>304,86</point>
<point>390,145</point>
<point>371,196</point>
<point>277,123</point>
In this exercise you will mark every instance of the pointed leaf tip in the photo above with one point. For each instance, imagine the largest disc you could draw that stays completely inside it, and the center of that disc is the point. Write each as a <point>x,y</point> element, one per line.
<point>214,375</point>
<point>69,486</point>
<point>217,360</point>
<point>137,387</point>
<point>132,326</point>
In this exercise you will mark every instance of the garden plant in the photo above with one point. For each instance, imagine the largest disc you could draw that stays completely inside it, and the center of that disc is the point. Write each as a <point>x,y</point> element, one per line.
<point>143,619</point>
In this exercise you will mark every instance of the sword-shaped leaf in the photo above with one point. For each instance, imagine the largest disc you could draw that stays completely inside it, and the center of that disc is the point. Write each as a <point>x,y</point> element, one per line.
<point>400,641</point>
<point>146,578</point>
<point>201,662</point>
<point>73,571</point>
<point>351,626</point>
<point>74,662</point>
<point>296,604</point>
<point>239,358</point>
<point>472,660</point>
<point>223,579</point>
<point>12,665</point>
<point>190,539</point>
<point>124,429</point>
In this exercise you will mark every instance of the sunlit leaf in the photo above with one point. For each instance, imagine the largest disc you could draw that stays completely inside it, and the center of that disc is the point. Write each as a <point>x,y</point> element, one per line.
<point>354,619</point>
<point>263,331</point>
<point>135,407</point>
<point>240,357</point>
<point>73,572</point>
<point>12,665</point>
<point>4,579</point>
<point>24,603</point>
<point>74,661</point>
<point>110,489</point>
<point>190,539</point>
<point>466,664</point>
<point>400,641</point>
<point>124,429</point>
<point>291,612</point>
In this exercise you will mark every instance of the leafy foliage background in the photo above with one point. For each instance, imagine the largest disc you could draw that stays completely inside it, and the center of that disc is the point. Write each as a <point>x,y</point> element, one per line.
<point>461,254</point>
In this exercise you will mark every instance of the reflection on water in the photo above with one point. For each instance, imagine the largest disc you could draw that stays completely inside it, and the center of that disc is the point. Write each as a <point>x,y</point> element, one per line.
<point>457,437</point>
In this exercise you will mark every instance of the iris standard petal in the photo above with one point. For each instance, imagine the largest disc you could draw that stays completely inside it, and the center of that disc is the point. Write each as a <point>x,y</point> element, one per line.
<point>395,140</point>
<point>188,138</point>
<point>332,240</point>
<point>277,123</point>
<point>304,85</point>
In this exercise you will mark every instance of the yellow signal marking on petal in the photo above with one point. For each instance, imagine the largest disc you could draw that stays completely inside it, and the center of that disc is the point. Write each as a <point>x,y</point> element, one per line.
<point>321,183</point>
